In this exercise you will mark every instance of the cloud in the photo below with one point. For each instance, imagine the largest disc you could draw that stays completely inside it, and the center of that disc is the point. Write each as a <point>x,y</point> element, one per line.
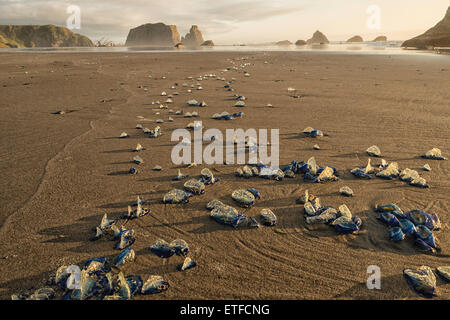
<point>230,21</point>
<point>113,18</point>
<point>247,11</point>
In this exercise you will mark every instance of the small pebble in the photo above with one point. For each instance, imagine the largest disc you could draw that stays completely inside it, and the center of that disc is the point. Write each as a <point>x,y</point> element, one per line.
<point>346,191</point>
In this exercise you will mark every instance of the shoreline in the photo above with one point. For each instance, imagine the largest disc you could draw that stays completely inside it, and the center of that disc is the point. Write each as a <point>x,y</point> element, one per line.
<point>349,53</point>
<point>335,48</point>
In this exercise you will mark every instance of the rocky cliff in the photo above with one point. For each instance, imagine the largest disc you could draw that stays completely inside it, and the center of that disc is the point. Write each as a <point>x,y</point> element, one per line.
<point>318,38</point>
<point>153,34</point>
<point>193,38</point>
<point>438,36</point>
<point>29,36</point>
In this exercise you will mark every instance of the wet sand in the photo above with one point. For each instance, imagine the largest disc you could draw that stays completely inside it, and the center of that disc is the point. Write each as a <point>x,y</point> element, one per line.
<point>61,173</point>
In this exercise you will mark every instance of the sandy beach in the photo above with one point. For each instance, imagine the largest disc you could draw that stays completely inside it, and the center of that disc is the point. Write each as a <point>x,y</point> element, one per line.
<point>62,173</point>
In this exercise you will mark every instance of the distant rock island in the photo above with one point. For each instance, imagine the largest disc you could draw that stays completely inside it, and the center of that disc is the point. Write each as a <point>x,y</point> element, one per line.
<point>208,43</point>
<point>162,35</point>
<point>318,38</point>
<point>30,36</point>
<point>283,43</point>
<point>153,34</point>
<point>355,39</point>
<point>380,39</point>
<point>193,38</point>
<point>438,36</point>
<point>300,43</point>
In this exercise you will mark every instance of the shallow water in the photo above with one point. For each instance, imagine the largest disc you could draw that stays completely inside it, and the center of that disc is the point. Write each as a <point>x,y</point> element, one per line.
<point>389,48</point>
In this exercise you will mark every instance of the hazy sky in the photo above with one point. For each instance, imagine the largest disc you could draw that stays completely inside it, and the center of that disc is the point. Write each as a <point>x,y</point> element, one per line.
<point>235,21</point>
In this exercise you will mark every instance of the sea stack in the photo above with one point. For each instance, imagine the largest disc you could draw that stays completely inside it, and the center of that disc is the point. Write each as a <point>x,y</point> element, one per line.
<point>208,43</point>
<point>14,36</point>
<point>284,43</point>
<point>193,38</point>
<point>438,36</point>
<point>380,39</point>
<point>355,39</point>
<point>153,34</point>
<point>300,43</point>
<point>318,38</point>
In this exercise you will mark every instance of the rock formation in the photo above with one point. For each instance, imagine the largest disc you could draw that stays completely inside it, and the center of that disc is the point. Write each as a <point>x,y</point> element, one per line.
<point>355,39</point>
<point>153,34</point>
<point>30,36</point>
<point>193,38</point>
<point>300,43</point>
<point>179,45</point>
<point>208,43</point>
<point>318,38</point>
<point>380,39</point>
<point>438,36</point>
<point>283,43</point>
